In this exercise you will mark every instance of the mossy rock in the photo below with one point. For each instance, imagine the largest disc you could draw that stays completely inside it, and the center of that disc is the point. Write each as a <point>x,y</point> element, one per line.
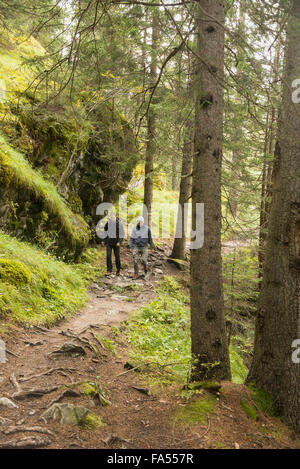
<point>88,389</point>
<point>213,387</point>
<point>69,414</point>
<point>14,272</point>
<point>91,422</point>
<point>94,391</point>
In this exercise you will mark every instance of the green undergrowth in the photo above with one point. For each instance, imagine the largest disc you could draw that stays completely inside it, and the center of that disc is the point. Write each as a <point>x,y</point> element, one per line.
<point>36,288</point>
<point>240,273</point>
<point>159,335</point>
<point>17,172</point>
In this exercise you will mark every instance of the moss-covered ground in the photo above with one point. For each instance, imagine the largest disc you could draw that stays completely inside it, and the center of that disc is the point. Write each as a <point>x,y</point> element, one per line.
<point>36,288</point>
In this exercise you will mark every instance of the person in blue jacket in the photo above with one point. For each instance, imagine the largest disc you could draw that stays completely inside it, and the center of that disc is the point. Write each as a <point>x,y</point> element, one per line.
<point>140,237</point>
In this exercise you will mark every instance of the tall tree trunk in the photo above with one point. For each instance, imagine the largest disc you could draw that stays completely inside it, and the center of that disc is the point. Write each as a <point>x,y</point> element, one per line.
<point>234,191</point>
<point>238,135</point>
<point>269,149</point>
<point>278,318</point>
<point>178,251</point>
<point>151,122</point>
<point>174,172</point>
<point>208,330</point>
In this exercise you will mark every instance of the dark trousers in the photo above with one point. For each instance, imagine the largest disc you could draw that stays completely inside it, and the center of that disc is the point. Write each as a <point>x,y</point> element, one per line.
<point>116,250</point>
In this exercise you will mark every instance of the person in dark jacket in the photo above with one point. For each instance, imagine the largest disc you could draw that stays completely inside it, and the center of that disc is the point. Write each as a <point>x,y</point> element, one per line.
<point>140,238</point>
<point>114,235</point>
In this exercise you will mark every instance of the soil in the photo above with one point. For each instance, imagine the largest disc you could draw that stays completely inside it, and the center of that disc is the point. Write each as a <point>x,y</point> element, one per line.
<point>134,419</point>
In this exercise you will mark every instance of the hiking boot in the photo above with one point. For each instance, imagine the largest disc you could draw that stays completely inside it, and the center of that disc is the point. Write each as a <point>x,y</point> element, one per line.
<point>118,272</point>
<point>108,274</point>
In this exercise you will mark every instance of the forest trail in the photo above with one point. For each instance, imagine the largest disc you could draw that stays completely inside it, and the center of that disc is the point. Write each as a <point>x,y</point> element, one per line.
<point>138,416</point>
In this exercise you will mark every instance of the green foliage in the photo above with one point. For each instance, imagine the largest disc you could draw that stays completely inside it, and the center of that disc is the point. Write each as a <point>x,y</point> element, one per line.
<point>240,273</point>
<point>165,204</point>
<point>55,289</point>
<point>238,368</point>
<point>160,333</point>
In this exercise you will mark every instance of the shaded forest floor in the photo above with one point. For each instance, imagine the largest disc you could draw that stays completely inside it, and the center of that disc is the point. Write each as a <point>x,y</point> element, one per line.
<point>139,415</point>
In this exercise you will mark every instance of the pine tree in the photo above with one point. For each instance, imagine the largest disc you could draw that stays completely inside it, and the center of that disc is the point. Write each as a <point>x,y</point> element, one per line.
<point>278,319</point>
<point>208,332</point>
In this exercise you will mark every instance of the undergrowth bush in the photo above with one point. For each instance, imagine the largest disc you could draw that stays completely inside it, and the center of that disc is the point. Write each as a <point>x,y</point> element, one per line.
<point>160,335</point>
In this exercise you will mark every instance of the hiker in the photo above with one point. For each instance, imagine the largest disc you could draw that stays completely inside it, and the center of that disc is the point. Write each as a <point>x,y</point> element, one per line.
<point>114,235</point>
<point>140,238</point>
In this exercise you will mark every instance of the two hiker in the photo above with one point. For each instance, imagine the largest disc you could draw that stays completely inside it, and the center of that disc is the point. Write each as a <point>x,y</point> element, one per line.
<point>140,238</point>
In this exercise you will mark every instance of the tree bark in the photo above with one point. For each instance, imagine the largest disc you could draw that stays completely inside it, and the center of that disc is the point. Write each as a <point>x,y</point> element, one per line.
<point>151,123</point>
<point>178,251</point>
<point>269,149</point>
<point>175,168</point>
<point>208,329</point>
<point>278,318</point>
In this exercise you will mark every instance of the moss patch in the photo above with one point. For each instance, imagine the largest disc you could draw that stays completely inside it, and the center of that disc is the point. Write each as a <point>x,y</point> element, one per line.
<point>196,411</point>
<point>14,272</point>
<point>90,422</point>
<point>249,409</point>
<point>263,400</point>
<point>36,288</point>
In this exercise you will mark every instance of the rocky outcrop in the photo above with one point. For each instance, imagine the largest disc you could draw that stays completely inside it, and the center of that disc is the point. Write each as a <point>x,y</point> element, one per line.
<point>57,162</point>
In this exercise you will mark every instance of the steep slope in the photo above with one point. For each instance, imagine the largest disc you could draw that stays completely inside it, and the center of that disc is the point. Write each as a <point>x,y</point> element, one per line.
<point>36,288</point>
<point>87,150</point>
<point>32,208</point>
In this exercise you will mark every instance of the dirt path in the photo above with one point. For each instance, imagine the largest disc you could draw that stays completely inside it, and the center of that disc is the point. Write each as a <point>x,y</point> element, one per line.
<point>134,419</point>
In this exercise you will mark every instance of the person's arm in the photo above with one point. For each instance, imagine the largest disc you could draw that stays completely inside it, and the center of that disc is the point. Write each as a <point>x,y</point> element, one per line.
<point>150,240</point>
